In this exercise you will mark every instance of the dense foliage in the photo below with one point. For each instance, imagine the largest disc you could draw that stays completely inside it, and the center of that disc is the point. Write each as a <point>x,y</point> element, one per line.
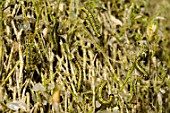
<point>85,56</point>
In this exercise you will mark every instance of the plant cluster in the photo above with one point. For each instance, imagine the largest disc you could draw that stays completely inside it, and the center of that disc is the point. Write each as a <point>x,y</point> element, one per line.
<point>84,56</point>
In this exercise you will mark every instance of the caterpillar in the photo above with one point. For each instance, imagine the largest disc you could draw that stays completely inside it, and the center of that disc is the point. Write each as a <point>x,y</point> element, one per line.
<point>101,97</point>
<point>29,52</point>
<point>91,20</point>
<point>143,54</point>
<point>133,91</point>
<point>80,73</point>
<point>140,68</point>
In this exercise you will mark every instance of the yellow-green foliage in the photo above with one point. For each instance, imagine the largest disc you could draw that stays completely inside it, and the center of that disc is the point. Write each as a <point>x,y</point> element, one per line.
<point>71,56</point>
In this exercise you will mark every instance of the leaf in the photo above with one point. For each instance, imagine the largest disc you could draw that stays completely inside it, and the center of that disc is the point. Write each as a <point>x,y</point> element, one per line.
<point>38,87</point>
<point>116,21</point>
<point>16,105</point>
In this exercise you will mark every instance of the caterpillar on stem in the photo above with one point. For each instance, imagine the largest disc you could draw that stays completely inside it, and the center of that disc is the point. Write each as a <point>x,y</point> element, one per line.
<point>133,91</point>
<point>29,52</point>
<point>143,54</point>
<point>140,68</point>
<point>101,97</point>
<point>91,20</point>
<point>80,73</point>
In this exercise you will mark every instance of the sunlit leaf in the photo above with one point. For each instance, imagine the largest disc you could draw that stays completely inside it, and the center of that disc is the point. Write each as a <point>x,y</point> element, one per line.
<point>16,105</point>
<point>38,87</point>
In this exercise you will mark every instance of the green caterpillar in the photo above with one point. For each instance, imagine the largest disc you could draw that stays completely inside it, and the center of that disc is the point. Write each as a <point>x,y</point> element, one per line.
<point>101,97</point>
<point>91,20</point>
<point>140,68</point>
<point>80,73</point>
<point>133,91</point>
<point>29,52</point>
<point>139,58</point>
